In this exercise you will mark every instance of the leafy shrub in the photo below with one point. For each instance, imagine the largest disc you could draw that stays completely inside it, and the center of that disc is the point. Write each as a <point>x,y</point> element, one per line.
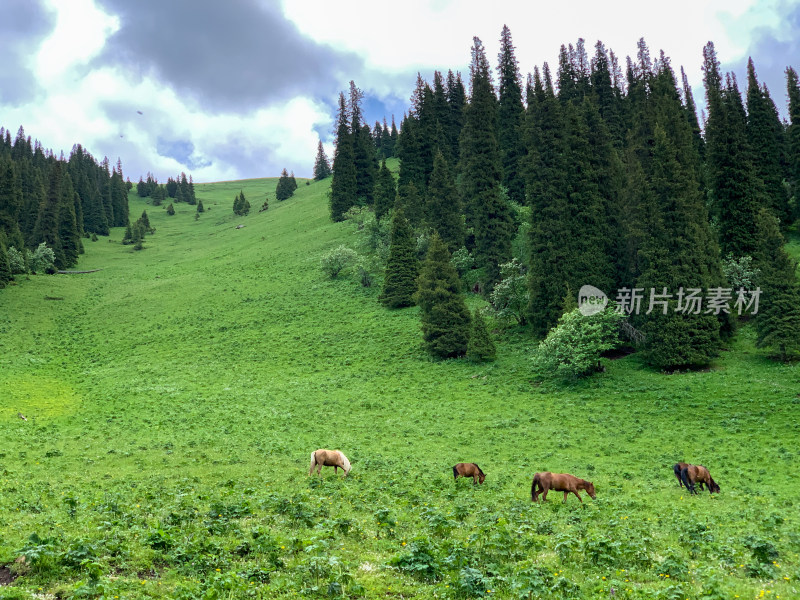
<point>16,260</point>
<point>573,347</point>
<point>740,272</point>
<point>43,259</point>
<point>337,260</point>
<point>472,583</point>
<point>510,297</point>
<point>764,555</point>
<point>532,582</point>
<point>419,560</point>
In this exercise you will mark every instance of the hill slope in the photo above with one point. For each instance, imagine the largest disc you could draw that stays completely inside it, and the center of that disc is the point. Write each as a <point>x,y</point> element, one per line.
<point>173,399</point>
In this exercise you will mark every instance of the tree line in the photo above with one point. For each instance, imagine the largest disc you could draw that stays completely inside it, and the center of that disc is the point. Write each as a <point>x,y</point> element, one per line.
<point>596,174</point>
<point>56,201</point>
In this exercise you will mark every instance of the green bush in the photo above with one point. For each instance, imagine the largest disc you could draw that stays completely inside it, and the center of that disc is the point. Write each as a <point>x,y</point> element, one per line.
<point>573,347</point>
<point>510,297</point>
<point>337,260</point>
<point>16,260</point>
<point>43,259</point>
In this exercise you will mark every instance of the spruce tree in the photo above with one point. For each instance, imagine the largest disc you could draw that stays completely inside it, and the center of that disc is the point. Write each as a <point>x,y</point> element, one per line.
<point>200,207</point>
<point>385,191</point>
<point>400,279</point>
<point>765,135</point>
<point>10,203</point>
<point>411,202</point>
<point>284,189</point>
<point>732,179</point>
<point>322,167</point>
<point>456,101</point>
<point>170,209</point>
<point>343,187</point>
<point>443,205</point>
<point>778,317</point>
<point>68,235</point>
<point>793,137</point>
<point>364,159</point>
<point>47,221</point>
<point>487,211</point>
<point>5,267</point>
<point>480,348</point>
<point>510,114</point>
<point>444,316</point>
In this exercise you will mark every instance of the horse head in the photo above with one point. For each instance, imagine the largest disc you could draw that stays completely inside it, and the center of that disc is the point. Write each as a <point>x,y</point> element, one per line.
<point>590,489</point>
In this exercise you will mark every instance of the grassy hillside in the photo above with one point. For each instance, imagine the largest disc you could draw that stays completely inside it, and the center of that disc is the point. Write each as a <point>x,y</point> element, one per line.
<point>173,399</point>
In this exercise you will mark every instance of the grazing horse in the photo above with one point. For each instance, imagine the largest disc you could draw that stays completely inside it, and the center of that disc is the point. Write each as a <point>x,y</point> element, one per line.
<point>677,468</point>
<point>560,482</point>
<point>469,470</point>
<point>329,458</point>
<point>692,474</point>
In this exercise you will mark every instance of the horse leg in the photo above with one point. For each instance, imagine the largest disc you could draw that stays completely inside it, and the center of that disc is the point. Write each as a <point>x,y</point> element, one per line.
<point>578,495</point>
<point>544,492</point>
<point>475,479</point>
<point>565,496</point>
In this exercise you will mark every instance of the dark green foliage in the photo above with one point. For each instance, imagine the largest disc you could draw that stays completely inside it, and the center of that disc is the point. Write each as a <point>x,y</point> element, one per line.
<point>284,189</point>
<point>793,137</point>
<point>765,136</point>
<point>200,207</point>
<point>170,209</point>
<point>411,202</point>
<point>443,205</point>
<point>322,167</point>
<point>456,97</point>
<point>778,318</point>
<point>241,206</point>
<point>400,279</point>
<point>444,316</point>
<point>47,221</point>
<point>733,183</point>
<point>5,266</point>
<point>487,211</point>
<point>68,235</point>
<point>343,187</point>
<point>385,191</point>
<point>10,203</point>
<point>364,159</point>
<point>510,115</point>
<point>480,347</point>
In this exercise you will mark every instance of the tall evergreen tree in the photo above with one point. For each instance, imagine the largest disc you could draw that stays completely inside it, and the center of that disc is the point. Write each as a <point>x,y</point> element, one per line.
<point>778,318</point>
<point>68,235</point>
<point>322,167</point>
<point>443,206</point>
<point>10,203</point>
<point>343,187</point>
<point>411,202</point>
<point>765,135</point>
<point>47,221</point>
<point>385,191</point>
<point>486,209</point>
<point>732,180</point>
<point>480,347</point>
<point>793,135</point>
<point>510,115</point>
<point>5,266</point>
<point>366,163</point>
<point>444,316</point>
<point>456,96</point>
<point>284,189</point>
<point>400,279</point>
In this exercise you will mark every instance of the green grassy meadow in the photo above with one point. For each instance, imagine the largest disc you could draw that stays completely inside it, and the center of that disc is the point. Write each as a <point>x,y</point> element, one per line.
<point>174,397</point>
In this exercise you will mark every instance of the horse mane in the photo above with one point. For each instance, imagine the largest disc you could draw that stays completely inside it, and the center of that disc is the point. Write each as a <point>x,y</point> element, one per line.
<point>345,461</point>
<point>479,469</point>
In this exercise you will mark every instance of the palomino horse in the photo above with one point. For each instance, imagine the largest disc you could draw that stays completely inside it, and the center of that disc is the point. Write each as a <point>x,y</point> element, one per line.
<point>692,474</point>
<point>329,458</point>
<point>677,468</point>
<point>469,470</point>
<point>560,482</point>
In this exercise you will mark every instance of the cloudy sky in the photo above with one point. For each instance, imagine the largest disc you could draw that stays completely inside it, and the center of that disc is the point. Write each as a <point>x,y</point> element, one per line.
<point>243,88</point>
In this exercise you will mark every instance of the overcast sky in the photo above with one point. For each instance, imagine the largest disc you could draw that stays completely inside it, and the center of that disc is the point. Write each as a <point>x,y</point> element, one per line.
<point>243,88</point>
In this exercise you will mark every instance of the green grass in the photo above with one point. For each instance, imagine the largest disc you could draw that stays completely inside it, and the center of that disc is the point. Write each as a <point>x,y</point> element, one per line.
<point>173,400</point>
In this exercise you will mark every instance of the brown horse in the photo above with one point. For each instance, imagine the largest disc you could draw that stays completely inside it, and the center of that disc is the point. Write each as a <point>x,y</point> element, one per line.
<point>469,470</point>
<point>692,474</point>
<point>677,468</point>
<point>560,482</point>
<point>329,458</point>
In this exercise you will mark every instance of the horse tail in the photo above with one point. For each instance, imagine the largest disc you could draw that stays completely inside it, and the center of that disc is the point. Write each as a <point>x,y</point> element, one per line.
<point>345,463</point>
<point>313,462</point>
<point>455,472</point>
<point>533,486</point>
<point>676,468</point>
